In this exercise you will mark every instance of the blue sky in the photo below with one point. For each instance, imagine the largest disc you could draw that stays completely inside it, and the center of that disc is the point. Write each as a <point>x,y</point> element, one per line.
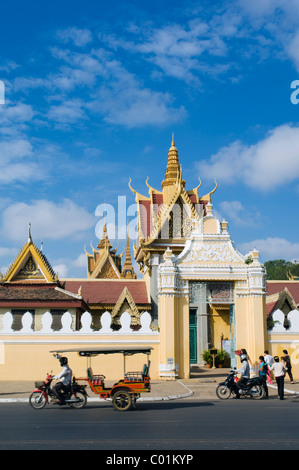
<point>94,90</point>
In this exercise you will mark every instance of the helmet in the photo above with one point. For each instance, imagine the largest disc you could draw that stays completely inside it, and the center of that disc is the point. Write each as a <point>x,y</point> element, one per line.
<point>63,361</point>
<point>243,357</point>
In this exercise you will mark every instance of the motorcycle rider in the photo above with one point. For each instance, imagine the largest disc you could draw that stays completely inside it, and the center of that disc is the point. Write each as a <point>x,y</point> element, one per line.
<point>245,374</point>
<point>65,380</point>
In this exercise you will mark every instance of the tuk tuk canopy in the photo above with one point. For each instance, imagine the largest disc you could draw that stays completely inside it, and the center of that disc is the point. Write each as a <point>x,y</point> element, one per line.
<point>95,351</point>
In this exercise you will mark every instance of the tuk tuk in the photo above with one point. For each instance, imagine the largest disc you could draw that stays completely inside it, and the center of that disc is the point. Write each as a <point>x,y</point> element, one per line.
<point>126,391</point>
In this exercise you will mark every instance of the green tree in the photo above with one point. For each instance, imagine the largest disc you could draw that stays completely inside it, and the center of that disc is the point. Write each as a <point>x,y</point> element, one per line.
<point>279,269</point>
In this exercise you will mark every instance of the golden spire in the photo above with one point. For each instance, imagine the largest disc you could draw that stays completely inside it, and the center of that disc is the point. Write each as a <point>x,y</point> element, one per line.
<point>128,270</point>
<point>105,243</point>
<point>173,173</point>
<point>173,166</point>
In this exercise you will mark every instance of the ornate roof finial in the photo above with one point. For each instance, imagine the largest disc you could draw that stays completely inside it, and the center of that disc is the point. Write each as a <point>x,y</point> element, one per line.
<point>173,172</point>
<point>128,270</point>
<point>29,233</point>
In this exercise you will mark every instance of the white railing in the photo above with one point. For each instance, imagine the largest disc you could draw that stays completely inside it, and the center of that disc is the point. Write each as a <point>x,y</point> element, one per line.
<point>66,325</point>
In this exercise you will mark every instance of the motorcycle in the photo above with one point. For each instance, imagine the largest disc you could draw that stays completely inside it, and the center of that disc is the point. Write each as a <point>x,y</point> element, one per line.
<point>254,388</point>
<point>76,397</point>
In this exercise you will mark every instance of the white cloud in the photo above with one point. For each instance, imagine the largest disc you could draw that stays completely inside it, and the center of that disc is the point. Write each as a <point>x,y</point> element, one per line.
<point>14,118</point>
<point>27,83</point>
<point>235,211</point>
<point>4,251</point>
<point>80,37</point>
<point>178,50</point>
<point>272,248</point>
<point>122,99</point>
<point>70,267</point>
<point>272,162</point>
<point>277,19</point>
<point>17,162</point>
<point>49,220</point>
<point>80,261</point>
<point>61,270</point>
<point>293,50</point>
<point>105,88</point>
<point>137,107</point>
<point>67,112</point>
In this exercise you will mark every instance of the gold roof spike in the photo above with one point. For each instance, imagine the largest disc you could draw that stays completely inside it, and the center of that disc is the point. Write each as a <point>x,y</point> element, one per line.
<point>207,197</point>
<point>128,270</point>
<point>105,242</point>
<point>197,187</point>
<point>151,188</point>
<point>173,174</point>
<point>138,195</point>
<point>173,169</point>
<point>212,192</point>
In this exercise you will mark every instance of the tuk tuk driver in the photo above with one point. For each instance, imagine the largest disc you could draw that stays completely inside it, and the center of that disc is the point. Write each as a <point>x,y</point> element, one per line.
<point>65,380</point>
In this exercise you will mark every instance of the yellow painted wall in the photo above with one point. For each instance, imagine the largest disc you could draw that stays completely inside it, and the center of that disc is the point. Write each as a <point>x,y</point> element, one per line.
<point>28,358</point>
<point>251,326</point>
<point>219,324</point>
<point>277,343</point>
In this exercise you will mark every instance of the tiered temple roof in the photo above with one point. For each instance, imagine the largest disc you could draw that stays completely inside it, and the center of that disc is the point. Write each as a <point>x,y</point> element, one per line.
<point>30,282</point>
<point>156,210</point>
<point>105,263</point>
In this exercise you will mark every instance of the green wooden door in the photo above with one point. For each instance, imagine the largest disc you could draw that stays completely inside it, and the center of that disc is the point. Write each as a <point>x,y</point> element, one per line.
<point>193,336</point>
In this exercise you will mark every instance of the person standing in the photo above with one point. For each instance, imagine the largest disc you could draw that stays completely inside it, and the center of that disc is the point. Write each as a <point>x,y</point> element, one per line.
<point>243,351</point>
<point>269,360</point>
<point>287,361</point>
<point>279,372</point>
<point>263,369</point>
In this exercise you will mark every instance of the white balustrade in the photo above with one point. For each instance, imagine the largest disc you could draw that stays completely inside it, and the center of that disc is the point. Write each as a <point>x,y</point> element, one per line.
<point>67,321</point>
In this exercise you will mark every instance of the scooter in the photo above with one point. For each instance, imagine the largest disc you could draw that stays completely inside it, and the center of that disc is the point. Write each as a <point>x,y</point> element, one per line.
<point>76,397</point>
<point>254,388</point>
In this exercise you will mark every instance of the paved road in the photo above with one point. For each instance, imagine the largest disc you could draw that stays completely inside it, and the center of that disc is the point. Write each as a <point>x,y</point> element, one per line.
<point>166,426</point>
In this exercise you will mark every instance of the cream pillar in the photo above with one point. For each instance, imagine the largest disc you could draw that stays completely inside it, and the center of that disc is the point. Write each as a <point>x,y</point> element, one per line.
<point>250,312</point>
<point>168,317</point>
<point>183,337</point>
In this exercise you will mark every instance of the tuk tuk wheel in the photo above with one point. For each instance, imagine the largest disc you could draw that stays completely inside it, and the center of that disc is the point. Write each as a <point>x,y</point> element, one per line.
<point>122,400</point>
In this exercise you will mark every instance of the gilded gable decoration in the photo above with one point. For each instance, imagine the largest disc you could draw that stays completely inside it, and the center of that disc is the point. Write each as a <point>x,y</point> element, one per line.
<point>30,270</point>
<point>30,264</point>
<point>125,302</point>
<point>103,263</point>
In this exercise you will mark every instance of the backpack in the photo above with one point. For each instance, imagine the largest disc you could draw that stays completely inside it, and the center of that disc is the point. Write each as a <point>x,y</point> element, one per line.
<point>264,365</point>
<point>287,361</point>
